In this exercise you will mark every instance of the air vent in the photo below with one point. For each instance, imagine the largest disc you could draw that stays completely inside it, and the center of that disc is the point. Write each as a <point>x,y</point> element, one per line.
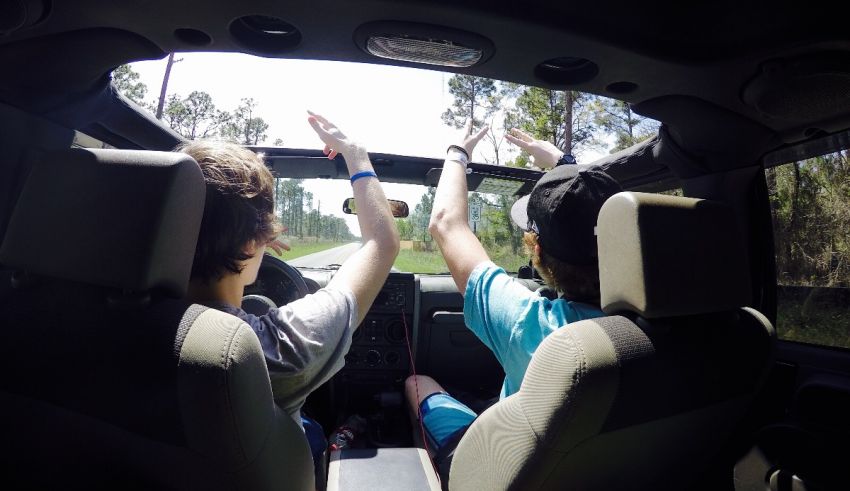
<point>423,44</point>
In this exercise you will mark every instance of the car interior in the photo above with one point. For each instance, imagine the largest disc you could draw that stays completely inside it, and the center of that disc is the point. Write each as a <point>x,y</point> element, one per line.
<point>113,379</point>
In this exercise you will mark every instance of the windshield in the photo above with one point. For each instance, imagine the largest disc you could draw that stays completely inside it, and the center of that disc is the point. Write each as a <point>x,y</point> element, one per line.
<point>402,111</point>
<point>317,236</point>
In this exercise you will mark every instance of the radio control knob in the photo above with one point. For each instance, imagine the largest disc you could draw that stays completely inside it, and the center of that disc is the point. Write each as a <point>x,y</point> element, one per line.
<point>373,357</point>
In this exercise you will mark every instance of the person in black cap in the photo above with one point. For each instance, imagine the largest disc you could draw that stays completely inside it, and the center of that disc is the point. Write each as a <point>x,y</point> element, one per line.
<point>559,218</point>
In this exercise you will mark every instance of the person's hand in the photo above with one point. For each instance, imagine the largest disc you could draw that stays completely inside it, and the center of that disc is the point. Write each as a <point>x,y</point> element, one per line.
<point>279,246</point>
<point>335,141</point>
<point>544,154</point>
<point>471,138</point>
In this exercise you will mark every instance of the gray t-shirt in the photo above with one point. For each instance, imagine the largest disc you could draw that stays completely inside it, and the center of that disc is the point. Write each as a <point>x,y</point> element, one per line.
<point>304,342</point>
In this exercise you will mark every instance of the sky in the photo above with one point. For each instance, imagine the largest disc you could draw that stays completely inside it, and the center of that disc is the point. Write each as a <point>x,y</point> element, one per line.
<point>388,109</point>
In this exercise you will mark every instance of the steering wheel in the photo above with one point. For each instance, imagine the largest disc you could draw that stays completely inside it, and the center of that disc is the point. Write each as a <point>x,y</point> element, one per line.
<point>277,284</point>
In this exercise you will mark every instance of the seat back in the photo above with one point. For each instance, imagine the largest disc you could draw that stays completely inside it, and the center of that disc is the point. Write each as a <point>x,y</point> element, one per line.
<point>112,379</point>
<point>644,399</point>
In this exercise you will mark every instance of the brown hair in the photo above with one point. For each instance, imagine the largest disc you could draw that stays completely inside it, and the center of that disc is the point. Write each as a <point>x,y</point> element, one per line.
<point>579,283</point>
<point>239,207</point>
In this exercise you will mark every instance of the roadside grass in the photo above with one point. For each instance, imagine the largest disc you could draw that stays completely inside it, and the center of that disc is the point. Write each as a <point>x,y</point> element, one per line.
<point>420,262</point>
<point>819,322</point>
<point>299,248</point>
<point>432,262</point>
<point>828,327</point>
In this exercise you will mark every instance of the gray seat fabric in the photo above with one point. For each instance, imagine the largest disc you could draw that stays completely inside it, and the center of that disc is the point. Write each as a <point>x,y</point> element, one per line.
<point>111,379</point>
<point>647,398</point>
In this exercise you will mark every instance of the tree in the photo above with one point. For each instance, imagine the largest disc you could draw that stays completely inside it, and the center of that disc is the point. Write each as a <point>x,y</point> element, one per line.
<point>617,118</point>
<point>126,80</point>
<point>244,127</point>
<point>175,113</point>
<point>421,215</point>
<point>474,98</point>
<point>201,115</point>
<point>405,229</point>
<point>561,117</point>
<point>195,116</point>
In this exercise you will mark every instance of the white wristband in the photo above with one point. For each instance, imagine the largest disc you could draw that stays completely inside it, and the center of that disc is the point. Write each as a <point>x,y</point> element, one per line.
<point>457,156</point>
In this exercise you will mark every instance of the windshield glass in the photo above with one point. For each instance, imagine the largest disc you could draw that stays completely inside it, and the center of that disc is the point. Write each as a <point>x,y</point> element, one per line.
<point>404,111</point>
<point>317,236</point>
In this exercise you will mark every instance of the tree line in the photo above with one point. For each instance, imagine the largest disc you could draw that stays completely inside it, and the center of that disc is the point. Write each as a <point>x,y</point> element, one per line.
<point>196,115</point>
<point>303,216</point>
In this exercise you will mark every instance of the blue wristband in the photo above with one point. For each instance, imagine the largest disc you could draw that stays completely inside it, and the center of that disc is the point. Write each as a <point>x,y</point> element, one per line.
<point>365,173</point>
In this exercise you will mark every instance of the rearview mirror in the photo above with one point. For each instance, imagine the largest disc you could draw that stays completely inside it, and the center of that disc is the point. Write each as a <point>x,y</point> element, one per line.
<point>399,208</point>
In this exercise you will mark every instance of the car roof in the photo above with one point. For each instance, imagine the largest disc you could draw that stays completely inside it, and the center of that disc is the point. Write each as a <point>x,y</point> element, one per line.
<point>730,82</point>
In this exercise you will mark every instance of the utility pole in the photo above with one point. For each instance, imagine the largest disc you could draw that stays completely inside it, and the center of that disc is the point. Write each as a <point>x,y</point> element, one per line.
<point>164,88</point>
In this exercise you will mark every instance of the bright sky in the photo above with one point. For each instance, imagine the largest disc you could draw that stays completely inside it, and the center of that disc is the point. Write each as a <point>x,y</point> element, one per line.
<point>389,109</point>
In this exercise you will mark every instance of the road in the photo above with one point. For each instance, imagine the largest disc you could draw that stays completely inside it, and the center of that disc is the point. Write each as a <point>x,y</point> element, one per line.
<point>322,258</point>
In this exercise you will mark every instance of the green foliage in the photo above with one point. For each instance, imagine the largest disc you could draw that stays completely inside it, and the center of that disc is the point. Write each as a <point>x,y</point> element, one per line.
<point>545,113</point>
<point>474,98</point>
<point>244,126</point>
<point>809,200</point>
<point>126,80</point>
<point>421,216</point>
<point>617,118</point>
<point>405,228</point>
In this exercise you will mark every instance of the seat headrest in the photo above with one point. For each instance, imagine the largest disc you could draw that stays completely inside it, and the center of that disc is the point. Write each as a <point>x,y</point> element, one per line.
<point>665,256</point>
<point>117,218</point>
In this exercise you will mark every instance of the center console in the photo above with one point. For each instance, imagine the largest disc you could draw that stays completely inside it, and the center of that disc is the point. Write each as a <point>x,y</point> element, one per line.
<point>379,347</point>
<point>372,382</point>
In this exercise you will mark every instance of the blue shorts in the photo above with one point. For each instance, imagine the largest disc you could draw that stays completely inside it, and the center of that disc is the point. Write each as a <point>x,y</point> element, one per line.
<point>442,416</point>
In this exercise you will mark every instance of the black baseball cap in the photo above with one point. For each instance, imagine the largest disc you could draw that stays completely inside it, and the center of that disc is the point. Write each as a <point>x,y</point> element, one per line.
<point>562,210</point>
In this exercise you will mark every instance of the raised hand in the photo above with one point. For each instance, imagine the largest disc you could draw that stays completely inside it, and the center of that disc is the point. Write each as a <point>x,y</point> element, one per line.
<point>544,154</point>
<point>471,139</point>
<point>335,141</point>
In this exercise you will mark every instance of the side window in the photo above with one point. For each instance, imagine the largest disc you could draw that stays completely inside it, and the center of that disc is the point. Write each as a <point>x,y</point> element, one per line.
<point>810,204</point>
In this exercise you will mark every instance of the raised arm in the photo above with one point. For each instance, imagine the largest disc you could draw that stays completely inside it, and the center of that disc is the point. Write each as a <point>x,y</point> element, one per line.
<point>449,227</point>
<point>365,272</point>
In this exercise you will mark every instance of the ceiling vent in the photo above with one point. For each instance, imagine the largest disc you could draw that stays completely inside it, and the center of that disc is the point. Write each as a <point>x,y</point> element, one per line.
<point>423,44</point>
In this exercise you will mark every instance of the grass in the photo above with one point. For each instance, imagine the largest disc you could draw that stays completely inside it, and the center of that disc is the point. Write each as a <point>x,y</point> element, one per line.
<point>814,315</point>
<point>299,249</point>
<point>420,262</point>
<point>432,262</point>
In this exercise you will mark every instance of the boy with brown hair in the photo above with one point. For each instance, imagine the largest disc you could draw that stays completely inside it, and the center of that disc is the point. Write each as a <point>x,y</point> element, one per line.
<point>305,341</point>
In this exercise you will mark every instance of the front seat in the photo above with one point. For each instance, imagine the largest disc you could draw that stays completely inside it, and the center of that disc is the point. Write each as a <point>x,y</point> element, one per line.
<point>647,397</point>
<point>110,380</point>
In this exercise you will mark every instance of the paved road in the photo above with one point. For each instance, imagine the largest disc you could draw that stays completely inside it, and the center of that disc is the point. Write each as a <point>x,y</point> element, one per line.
<point>322,258</point>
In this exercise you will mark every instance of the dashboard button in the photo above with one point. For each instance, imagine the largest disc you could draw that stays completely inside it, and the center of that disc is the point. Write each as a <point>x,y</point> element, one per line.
<point>373,357</point>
